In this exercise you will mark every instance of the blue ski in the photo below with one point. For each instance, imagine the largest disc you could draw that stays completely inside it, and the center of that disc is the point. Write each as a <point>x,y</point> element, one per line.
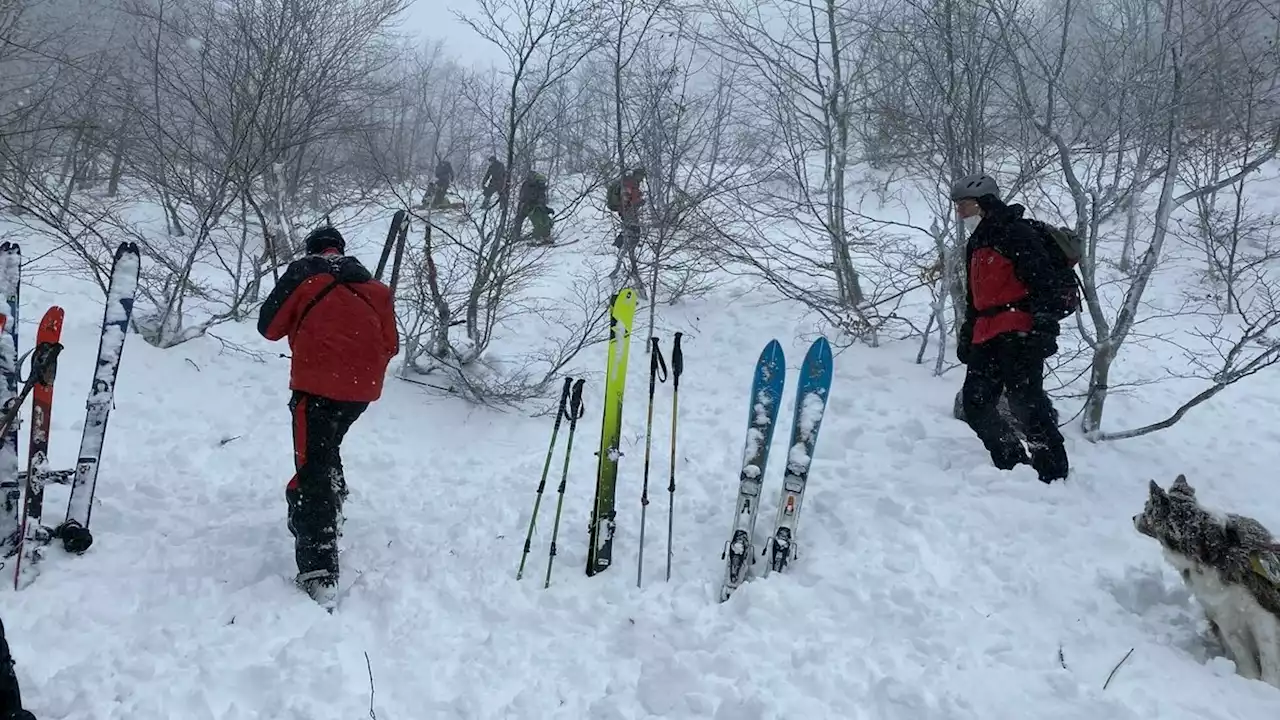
<point>811,403</point>
<point>762,416</point>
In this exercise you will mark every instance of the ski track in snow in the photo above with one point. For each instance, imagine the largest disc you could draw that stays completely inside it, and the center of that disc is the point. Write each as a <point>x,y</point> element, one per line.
<point>928,586</point>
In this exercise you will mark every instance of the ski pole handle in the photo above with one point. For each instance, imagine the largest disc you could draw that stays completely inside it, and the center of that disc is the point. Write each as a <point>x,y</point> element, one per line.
<point>564,398</point>
<point>677,360</point>
<point>657,365</point>
<point>576,408</point>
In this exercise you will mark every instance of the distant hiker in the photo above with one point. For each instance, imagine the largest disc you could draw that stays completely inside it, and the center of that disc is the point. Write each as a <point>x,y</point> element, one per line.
<point>532,204</point>
<point>625,197</point>
<point>444,178</point>
<point>10,693</point>
<point>495,180</point>
<point>1010,328</point>
<point>341,327</point>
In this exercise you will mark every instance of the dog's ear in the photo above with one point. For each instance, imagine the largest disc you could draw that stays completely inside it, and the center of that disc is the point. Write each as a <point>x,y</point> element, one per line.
<point>1182,487</point>
<point>1157,492</point>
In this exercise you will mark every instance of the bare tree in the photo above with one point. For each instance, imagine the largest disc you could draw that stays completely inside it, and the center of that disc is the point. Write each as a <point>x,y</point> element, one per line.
<point>937,116</point>
<point>685,142</point>
<point>809,71</point>
<point>218,105</point>
<point>1097,168</point>
<point>475,271</point>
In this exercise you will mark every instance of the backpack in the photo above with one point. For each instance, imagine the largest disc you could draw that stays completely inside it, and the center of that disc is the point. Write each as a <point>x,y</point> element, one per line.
<point>1064,249</point>
<point>613,198</point>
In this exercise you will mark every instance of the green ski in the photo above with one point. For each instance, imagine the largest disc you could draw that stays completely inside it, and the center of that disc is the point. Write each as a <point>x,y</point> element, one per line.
<point>600,545</point>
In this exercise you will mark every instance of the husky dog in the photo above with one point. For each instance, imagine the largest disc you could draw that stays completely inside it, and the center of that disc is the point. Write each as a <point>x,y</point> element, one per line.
<point>1231,564</point>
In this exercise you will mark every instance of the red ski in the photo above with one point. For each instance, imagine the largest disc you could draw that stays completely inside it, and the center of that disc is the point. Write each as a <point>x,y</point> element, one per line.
<point>34,536</point>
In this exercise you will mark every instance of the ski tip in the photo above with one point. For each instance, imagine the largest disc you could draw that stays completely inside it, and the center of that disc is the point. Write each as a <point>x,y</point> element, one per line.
<point>772,353</point>
<point>820,351</point>
<point>127,248</point>
<point>52,320</point>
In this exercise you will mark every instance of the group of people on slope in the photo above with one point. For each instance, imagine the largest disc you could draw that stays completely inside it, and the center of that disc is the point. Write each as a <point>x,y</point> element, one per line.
<point>341,328</point>
<point>624,197</point>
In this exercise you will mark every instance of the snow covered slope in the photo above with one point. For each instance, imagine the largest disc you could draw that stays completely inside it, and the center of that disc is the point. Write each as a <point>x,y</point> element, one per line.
<point>928,586</point>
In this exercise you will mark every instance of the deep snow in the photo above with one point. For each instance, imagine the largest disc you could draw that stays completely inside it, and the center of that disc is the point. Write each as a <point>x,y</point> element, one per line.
<point>928,585</point>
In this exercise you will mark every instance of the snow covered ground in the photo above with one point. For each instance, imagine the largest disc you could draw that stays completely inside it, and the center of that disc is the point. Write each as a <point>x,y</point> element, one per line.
<point>929,585</point>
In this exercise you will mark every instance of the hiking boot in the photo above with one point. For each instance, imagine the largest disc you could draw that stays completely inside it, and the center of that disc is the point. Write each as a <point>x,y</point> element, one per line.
<point>321,585</point>
<point>1010,456</point>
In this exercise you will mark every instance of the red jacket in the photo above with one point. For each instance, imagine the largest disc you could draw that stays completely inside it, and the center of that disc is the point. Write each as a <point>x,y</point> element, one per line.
<point>1008,270</point>
<point>632,195</point>
<point>341,325</point>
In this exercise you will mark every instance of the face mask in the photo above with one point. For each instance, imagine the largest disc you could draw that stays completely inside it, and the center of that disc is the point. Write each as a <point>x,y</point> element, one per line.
<point>971,223</point>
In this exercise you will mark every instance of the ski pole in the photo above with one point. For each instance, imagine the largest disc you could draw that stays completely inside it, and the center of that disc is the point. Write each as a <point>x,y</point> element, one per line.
<point>44,359</point>
<point>576,411</point>
<point>677,367</point>
<point>658,373</point>
<point>542,484</point>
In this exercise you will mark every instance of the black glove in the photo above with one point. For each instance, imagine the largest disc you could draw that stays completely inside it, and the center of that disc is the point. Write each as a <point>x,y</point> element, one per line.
<point>1043,338</point>
<point>964,342</point>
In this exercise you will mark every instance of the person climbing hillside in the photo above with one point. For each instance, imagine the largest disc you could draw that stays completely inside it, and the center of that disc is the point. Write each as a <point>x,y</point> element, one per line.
<point>1010,327</point>
<point>495,181</point>
<point>341,327</point>
<point>439,189</point>
<point>625,197</point>
<point>10,692</point>
<point>532,204</point>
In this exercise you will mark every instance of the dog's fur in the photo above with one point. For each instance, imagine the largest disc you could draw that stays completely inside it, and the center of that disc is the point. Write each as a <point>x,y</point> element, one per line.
<point>1229,563</point>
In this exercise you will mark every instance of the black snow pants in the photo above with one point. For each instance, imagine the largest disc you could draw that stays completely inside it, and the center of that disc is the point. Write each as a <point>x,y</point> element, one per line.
<point>315,494</point>
<point>1010,363</point>
<point>10,695</point>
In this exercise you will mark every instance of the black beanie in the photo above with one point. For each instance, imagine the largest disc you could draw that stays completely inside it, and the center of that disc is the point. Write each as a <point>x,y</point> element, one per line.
<point>324,238</point>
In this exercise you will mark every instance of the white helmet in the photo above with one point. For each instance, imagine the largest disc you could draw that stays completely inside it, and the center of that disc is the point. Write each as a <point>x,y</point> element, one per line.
<point>974,186</point>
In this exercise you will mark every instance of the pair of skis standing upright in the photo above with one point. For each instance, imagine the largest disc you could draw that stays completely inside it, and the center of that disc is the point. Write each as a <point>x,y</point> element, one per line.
<point>767,384</point>
<point>23,536</point>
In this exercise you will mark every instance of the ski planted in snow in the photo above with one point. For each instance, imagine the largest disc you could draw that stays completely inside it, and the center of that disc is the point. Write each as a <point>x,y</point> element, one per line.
<point>74,532</point>
<point>44,367</point>
<point>811,402</point>
<point>600,544</point>
<point>393,234</point>
<point>762,415</point>
<point>10,488</point>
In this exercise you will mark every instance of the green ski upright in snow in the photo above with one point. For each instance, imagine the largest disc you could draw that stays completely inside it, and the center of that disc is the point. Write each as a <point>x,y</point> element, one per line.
<point>600,545</point>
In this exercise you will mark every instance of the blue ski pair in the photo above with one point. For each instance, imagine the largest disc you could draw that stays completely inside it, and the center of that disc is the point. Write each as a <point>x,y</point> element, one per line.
<point>813,388</point>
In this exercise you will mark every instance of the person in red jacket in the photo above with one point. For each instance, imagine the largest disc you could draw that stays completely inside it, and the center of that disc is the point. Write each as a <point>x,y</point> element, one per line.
<point>1008,330</point>
<point>341,327</point>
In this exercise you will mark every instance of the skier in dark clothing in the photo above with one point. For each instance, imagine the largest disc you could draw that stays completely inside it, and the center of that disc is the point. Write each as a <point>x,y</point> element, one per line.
<point>341,327</point>
<point>439,188</point>
<point>532,204</point>
<point>1008,331</point>
<point>495,180</point>
<point>10,693</point>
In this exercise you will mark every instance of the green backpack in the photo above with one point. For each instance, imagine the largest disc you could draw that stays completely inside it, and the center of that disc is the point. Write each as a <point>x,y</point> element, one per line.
<point>613,199</point>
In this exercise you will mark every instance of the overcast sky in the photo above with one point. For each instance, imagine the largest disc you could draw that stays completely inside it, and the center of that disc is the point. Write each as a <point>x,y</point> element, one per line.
<point>435,19</point>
